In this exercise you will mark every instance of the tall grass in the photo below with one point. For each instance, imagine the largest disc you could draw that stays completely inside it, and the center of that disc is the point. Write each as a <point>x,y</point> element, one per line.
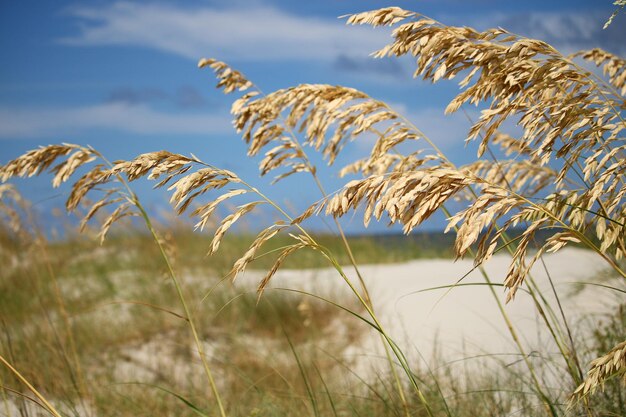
<point>561,180</point>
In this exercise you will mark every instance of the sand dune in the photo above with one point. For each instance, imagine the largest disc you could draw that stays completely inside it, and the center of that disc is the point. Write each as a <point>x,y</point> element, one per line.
<point>465,320</point>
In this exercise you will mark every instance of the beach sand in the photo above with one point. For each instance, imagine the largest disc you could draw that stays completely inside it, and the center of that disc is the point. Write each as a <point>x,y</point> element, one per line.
<point>463,321</point>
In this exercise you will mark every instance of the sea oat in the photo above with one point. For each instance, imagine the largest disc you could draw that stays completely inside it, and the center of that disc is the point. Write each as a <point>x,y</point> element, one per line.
<point>277,264</point>
<point>230,80</point>
<point>612,364</point>
<point>229,221</point>
<point>382,17</point>
<point>612,66</point>
<point>72,158</point>
<point>264,236</point>
<point>39,160</point>
<point>303,241</point>
<point>13,208</point>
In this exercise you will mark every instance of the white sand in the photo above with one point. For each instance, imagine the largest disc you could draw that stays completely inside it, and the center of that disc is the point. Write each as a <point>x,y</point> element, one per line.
<point>466,320</point>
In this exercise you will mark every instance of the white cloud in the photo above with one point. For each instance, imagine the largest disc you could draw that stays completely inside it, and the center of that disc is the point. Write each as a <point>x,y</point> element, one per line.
<point>47,122</point>
<point>569,31</point>
<point>253,33</point>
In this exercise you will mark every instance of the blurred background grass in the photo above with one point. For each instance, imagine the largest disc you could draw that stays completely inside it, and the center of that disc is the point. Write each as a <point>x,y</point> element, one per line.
<point>99,330</point>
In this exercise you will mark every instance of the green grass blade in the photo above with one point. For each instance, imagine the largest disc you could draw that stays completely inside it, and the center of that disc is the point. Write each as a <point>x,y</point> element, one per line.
<point>304,375</point>
<point>327,391</point>
<point>197,410</point>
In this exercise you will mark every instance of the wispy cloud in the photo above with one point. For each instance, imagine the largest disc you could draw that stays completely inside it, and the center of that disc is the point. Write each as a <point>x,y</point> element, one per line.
<point>185,97</point>
<point>54,122</point>
<point>569,31</point>
<point>253,33</point>
<point>369,66</point>
<point>133,96</point>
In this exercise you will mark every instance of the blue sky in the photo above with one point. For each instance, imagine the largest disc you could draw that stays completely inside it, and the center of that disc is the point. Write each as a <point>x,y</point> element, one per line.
<point>122,76</point>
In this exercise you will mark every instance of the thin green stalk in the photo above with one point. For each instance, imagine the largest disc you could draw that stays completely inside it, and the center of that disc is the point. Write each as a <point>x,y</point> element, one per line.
<point>566,353</point>
<point>184,400</point>
<point>369,386</point>
<point>5,398</point>
<point>570,354</point>
<point>327,391</point>
<point>509,324</point>
<point>78,380</point>
<point>567,327</point>
<point>399,355</point>
<point>512,331</point>
<point>396,378</point>
<point>23,397</point>
<point>582,238</point>
<point>366,293</point>
<point>396,350</point>
<point>434,378</point>
<point>179,291</point>
<point>387,390</point>
<point>353,261</point>
<point>305,378</point>
<point>66,359</point>
<point>575,373</point>
<point>575,370</point>
<point>73,365</point>
<point>485,275</point>
<point>183,301</point>
<point>49,407</point>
